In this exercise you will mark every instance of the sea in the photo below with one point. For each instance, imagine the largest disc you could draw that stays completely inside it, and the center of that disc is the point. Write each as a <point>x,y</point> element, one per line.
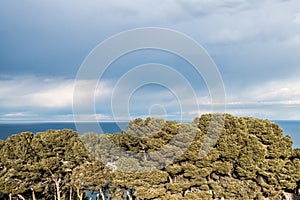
<point>290,127</point>
<point>8,129</point>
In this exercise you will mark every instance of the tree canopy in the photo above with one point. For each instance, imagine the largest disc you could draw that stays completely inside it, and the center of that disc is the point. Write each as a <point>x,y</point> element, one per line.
<point>154,159</point>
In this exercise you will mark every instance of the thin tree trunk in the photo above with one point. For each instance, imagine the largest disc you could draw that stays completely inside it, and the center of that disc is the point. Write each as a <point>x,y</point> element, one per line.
<point>21,197</point>
<point>57,184</point>
<point>145,155</point>
<point>170,179</point>
<point>80,195</point>
<point>10,198</point>
<point>185,192</point>
<point>71,193</point>
<point>129,195</point>
<point>33,194</point>
<point>102,194</point>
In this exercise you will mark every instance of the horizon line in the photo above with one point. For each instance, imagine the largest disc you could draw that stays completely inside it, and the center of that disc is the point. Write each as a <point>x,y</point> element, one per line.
<point>109,121</point>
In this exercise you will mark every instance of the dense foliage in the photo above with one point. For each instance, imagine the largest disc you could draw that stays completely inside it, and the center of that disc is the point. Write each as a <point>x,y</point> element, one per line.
<point>154,159</point>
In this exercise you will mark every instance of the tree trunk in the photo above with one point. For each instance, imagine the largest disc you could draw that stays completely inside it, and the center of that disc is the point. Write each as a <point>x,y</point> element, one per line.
<point>21,197</point>
<point>102,194</point>
<point>57,185</point>
<point>80,195</point>
<point>10,198</point>
<point>170,179</point>
<point>33,194</point>
<point>71,193</point>
<point>185,192</point>
<point>145,155</point>
<point>129,195</point>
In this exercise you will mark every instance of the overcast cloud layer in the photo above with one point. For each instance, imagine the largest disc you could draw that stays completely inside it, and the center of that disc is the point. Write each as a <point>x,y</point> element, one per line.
<point>255,45</point>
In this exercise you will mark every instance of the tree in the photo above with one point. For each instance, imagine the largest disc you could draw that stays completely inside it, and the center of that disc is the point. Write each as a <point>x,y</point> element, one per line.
<point>3,168</point>
<point>58,153</point>
<point>19,158</point>
<point>92,176</point>
<point>234,158</point>
<point>145,185</point>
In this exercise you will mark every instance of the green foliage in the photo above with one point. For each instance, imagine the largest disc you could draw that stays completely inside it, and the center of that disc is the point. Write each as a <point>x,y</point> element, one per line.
<point>93,176</point>
<point>149,192</point>
<point>174,169</point>
<point>18,162</point>
<point>234,158</point>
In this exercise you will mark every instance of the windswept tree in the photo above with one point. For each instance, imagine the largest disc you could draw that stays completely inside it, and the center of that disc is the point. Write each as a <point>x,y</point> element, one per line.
<point>58,153</point>
<point>94,177</point>
<point>234,158</point>
<point>3,168</point>
<point>20,177</point>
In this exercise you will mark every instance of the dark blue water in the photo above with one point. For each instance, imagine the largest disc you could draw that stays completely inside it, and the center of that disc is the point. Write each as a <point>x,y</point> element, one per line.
<point>7,129</point>
<point>289,127</point>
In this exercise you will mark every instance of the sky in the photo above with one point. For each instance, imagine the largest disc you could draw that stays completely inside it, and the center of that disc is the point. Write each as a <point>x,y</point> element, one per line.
<point>254,44</point>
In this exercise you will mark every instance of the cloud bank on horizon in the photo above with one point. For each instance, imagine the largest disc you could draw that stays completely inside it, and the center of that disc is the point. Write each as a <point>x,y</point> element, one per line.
<point>255,45</point>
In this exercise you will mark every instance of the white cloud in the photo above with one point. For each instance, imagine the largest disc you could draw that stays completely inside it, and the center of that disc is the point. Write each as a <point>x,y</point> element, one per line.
<point>59,96</point>
<point>91,117</point>
<point>281,91</point>
<point>297,18</point>
<point>31,91</point>
<point>293,40</point>
<point>39,98</point>
<point>17,114</point>
<point>277,99</point>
